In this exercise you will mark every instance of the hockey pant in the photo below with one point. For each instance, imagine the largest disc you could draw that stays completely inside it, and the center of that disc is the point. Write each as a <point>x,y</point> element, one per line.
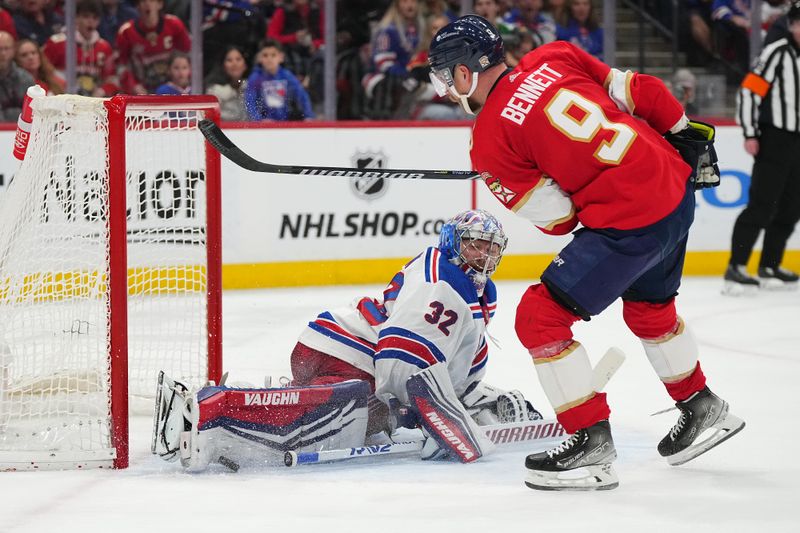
<point>312,367</point>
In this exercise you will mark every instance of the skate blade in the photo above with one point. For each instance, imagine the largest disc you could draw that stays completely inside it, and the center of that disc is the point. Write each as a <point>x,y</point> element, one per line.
<point>723,430</point>
<point>731,288</point>
<point>777,285</point>
<point>594,477</point>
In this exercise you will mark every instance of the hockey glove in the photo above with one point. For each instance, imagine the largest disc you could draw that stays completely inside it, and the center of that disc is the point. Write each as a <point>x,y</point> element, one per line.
<point>513,407</point>
<point>695,143</point>
<point>489,405</point>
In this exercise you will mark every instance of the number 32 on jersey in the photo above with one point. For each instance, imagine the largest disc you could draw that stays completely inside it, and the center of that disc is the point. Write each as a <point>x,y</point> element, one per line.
<point>437,313</point>
<point>581,120</point>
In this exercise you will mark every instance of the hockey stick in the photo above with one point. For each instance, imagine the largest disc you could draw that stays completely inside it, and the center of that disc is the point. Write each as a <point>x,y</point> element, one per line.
<point>227,148</point>
<point>499,434</point>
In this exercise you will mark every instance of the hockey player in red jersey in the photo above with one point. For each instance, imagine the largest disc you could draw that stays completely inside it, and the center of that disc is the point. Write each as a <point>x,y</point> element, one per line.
<point>95,57</point>
<point>144,46</point>
<point>563,139</point>
<point>418,355</point>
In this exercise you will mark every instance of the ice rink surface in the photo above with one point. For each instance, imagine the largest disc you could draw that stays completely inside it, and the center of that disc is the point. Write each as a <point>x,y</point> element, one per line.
<point>749,351</point>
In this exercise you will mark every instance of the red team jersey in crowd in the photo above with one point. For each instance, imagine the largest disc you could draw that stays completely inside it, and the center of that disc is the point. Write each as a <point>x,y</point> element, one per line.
<point>144,52</point>
<point>7,23</point>
<point>94,62</point>
<point>554,146</point>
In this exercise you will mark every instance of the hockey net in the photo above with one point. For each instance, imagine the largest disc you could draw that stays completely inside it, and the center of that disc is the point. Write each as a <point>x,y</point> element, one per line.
<point>109,273</point>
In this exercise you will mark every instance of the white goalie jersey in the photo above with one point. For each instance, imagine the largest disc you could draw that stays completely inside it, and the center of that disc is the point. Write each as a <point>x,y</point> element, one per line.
<point>430,313</point>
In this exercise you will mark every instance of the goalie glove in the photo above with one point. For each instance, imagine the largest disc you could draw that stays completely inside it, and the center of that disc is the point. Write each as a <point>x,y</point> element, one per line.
<point>695,143</point>
<point>513,407</point>
<point>489,405</point>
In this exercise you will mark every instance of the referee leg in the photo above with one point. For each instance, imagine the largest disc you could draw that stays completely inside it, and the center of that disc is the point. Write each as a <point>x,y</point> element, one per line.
<point>770,174</point>
<point>788,211</point>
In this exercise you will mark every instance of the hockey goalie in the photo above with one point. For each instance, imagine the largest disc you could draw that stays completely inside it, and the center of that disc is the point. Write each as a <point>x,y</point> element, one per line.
<point>413,359</point>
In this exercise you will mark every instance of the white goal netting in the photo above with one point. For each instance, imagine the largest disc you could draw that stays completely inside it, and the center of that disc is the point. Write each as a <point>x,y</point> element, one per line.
<point>56,246</point>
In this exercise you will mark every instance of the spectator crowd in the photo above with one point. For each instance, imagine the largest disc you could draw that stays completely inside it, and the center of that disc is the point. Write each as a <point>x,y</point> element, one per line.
<point>263,59</point>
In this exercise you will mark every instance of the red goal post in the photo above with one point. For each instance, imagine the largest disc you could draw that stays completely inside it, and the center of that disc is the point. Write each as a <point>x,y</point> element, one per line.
<point>110,270</point>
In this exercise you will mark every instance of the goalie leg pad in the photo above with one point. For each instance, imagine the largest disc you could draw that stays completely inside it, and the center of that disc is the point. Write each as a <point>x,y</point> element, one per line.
<point>442,415</point>
<point>262,424</point>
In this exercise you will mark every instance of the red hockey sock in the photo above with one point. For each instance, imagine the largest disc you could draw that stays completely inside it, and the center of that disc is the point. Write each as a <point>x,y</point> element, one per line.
<point>680,390</point>
<point>586,414</point>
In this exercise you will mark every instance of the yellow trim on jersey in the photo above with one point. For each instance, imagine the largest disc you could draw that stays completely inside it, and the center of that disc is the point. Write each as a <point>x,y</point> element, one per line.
<point>527,196</point>
<point>561,220</point>
<point>628,97</point>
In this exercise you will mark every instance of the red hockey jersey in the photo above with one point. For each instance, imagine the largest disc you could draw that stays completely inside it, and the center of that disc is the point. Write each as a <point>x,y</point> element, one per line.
<point>143,53</point>
<point>557,143</point>
<point>94,62</point>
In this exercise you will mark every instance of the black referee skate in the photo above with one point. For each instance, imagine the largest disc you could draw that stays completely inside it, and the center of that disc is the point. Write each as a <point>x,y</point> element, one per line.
<point>738,281</point>
<point>777,278</point>
<point>582,462</point>
<point>703,414</point>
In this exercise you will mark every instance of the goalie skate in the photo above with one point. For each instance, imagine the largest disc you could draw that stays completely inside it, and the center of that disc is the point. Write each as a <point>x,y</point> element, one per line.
<point>704,423</point>
<point>582,462</point>
<point>169,419</point>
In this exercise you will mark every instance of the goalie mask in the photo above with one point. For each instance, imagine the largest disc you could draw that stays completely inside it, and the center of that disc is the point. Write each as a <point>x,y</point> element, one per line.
<point>474,240</point>
<point>471,41</point>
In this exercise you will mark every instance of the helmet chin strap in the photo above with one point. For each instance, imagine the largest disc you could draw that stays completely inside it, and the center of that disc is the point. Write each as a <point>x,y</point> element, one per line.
<point>462,98</point>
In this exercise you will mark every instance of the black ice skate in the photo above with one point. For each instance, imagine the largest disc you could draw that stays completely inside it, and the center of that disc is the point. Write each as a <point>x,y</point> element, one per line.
<point>777,278</point>
<point>703,412</point>
<point>738,281</point>
<point>582,462</point>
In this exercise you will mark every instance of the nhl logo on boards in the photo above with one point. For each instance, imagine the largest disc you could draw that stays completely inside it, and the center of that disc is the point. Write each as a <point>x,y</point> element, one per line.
<point>368,187</point>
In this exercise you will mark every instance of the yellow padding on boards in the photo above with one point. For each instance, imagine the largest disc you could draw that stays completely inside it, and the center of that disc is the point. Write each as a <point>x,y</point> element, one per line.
<point>369,271</point>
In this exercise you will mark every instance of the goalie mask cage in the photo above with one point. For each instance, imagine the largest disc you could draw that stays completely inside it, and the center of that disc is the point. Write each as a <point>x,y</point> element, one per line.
<point>110,266</point>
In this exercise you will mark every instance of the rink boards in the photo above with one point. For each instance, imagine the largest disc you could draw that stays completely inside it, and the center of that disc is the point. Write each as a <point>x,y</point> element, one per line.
<point>293,230</point>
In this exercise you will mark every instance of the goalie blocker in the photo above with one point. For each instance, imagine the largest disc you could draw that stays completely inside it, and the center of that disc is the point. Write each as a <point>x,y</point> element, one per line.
<point>449,428</point>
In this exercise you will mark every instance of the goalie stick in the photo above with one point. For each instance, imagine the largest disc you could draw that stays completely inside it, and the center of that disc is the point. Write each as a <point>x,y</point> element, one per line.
<point>500,434</point>
<point>227,148</point>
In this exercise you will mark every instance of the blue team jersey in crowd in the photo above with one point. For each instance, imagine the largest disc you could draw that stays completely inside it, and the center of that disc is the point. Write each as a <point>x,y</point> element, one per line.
<point>172,89</point>
<point>588,41</point>
<point>275,97</point>
<point>392,50</point>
